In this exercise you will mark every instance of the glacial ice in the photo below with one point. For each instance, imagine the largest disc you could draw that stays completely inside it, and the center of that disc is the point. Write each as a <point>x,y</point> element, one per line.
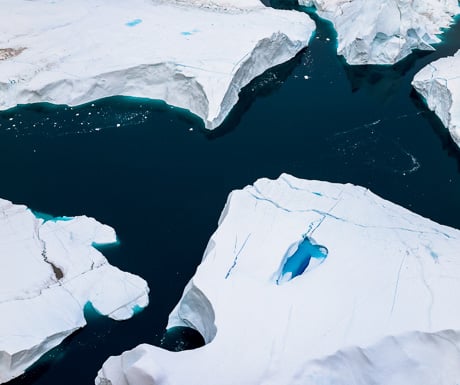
<point>381,309</point>
<point>193,54</point>
<point>439,85</point>
<point>49,272</point>
<point>385,31</point>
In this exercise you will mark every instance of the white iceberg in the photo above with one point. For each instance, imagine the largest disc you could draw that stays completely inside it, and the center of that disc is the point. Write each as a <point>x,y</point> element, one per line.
<point>439,85</point>
<point>385,31</point>
<point>49,271</point>
<point>377,304</point>
<point>193,54</point>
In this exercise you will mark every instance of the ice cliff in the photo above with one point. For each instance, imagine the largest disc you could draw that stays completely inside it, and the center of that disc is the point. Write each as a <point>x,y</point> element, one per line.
<point>385,31</point>
<point>194,54</point>
<point>374,298</point>
<point>49,271</point>
<point>439,85</point>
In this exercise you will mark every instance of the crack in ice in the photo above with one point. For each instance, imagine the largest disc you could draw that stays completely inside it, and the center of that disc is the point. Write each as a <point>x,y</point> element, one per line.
<point>235,260</point>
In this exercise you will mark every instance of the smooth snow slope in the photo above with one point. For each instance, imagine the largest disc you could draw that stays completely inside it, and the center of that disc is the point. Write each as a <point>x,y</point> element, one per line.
<point>385,31</point>
<point>192,54</point>
<point>49,272</point>
<point>439,84</point>
<point>381,308</point>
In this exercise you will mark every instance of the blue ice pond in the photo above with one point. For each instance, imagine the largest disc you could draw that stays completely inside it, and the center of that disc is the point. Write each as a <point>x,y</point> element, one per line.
<point>298,262</point>
<point>133,23</point>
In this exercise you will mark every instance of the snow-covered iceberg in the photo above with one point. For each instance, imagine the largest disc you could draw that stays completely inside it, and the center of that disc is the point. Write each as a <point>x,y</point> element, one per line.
<point>49,271</point>
<point>373,298</point>
<point>194,54</point>
<point>385,31</point>
<point>439,85</point>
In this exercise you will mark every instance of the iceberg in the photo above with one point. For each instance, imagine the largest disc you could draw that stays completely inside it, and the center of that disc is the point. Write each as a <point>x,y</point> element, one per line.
<point>385,32</point>
<point>193,54</point>
<point>439,84</point>
<point>50,270</point>
<point>379,306</point>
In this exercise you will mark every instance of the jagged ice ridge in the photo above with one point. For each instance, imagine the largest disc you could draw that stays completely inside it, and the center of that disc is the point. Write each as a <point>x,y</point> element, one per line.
<point>439,84</point>
<point>385,31</point>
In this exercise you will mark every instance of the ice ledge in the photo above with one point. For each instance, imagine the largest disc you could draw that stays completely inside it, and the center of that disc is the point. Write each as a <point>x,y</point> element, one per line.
<point>439,84</point>
<point>95,49</point>
<point>380,309</point>
<point>50,272</point>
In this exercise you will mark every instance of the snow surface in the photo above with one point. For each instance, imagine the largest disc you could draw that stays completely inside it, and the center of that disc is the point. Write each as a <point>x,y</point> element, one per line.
<point>439,84</point>
<point>49,272</point>
<point>382,308</point>
<point>385,31</point>
<point>193,54</point>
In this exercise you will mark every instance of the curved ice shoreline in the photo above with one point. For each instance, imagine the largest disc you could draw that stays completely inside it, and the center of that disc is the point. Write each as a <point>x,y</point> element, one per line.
<point>49,271</point>
<point>73,52</point>
<point>380,309</point>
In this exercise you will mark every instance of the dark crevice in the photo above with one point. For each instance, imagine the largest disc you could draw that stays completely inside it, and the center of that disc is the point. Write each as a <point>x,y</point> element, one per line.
<point>57,271</point>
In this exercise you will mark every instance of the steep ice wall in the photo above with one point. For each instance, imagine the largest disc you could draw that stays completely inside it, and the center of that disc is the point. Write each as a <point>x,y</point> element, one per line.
<point>49,272</point>
<point>193,54</point>
<point>374,301</point>
<point>385,31</point>
<point>439,84</point>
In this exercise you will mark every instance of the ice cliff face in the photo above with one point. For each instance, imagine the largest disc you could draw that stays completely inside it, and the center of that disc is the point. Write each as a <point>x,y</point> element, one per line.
<point>439,84</point>
<point>193,54</point>
<point>49,272</point>
<point>385,31</point>
<point>373,298</point>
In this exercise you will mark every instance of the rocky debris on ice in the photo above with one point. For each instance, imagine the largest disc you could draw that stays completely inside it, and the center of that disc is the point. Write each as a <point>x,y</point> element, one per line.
<point>49,271</point>
<point>308,282</point>
<point>385,31</point>
<point>194,54</point>
<point>439,85</point>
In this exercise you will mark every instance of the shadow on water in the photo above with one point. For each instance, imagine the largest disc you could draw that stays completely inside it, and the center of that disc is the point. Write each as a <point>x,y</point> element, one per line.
<point>382,80</point>
<point>262,86</point>
<point>46,362</point>
<point>442,132</point>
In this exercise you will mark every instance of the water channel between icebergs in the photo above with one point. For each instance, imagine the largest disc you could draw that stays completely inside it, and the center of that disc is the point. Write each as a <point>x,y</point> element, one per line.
<point>153,174</point>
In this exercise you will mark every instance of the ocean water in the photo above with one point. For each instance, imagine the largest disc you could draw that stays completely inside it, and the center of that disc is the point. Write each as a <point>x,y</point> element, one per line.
<point>155,175</point>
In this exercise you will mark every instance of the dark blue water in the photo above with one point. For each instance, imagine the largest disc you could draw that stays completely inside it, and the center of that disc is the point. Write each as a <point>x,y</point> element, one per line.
<point>138,167</point>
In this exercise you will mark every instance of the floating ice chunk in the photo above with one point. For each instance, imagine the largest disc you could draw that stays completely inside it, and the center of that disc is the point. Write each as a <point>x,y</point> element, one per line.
<point>84,55</point>
<point>49,272</point>
<point>381,309</point>
<point>385,31</point>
